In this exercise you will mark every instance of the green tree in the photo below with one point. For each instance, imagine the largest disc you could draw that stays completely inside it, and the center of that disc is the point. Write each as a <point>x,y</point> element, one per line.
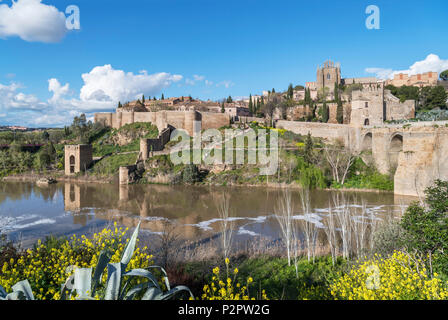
<point>290,93</point>
<point>45,135</point>
<point>191,174</point>
<point>223,110</point>
<point>308,151</point>
<point>143,99</point>
<point>437,98</point>
<point>229,99</point>
<point>444,75</point>
<point>325,113</point>
<point>336,92</point>
<point>426,227</point>
<point>163,97</point>
<point>251,105</point>
<point>340,112</point>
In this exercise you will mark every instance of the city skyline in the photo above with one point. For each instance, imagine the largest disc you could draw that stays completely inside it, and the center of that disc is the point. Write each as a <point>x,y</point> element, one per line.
<point>207,50</point>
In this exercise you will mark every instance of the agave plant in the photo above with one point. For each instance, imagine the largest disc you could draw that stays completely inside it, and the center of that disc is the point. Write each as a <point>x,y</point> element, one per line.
<point>21,291</point>
<point>82,286</point>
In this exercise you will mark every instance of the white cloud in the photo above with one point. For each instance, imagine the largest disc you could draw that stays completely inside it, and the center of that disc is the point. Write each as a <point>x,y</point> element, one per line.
<point>11,99</point>
<point>105,84</point>
<point>57,89</point>
<point>32,20</point>
<point>102,89</point>
<point>431,63</point>
<point>198,78</point>
<point>225,83</point>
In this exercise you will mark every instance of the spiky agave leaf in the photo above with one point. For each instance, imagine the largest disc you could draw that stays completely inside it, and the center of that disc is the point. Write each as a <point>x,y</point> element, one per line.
<point>103,261</point>
<point>171,293</point>
<point>3,293</point>
<point>83,282</point>
<point>114,273</point>
<point>25,288</point>
<point>130,247</point>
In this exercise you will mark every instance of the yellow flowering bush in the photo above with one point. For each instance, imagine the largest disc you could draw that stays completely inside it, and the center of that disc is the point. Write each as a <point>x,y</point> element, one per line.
<point>47,267</point>
<point>228,287</point>
<point>399,277</point>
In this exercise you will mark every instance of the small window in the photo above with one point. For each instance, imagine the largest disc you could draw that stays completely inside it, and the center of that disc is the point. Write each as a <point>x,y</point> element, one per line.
<point>328,76</point>
<point>367,104</point>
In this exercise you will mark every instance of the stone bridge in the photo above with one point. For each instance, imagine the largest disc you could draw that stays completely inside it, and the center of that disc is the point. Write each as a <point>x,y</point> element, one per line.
<point>415,154</point>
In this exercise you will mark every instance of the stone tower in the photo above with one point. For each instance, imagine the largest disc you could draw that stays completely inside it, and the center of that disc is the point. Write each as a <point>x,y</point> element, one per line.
<point>327,75</point>
<point>77,158</point>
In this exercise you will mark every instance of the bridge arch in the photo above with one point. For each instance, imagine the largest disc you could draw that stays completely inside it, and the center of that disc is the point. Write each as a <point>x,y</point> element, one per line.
<point>395,147</point>
<point>366,142</point>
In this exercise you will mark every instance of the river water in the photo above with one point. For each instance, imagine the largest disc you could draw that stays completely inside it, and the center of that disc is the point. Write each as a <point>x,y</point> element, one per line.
<point>29,212</point>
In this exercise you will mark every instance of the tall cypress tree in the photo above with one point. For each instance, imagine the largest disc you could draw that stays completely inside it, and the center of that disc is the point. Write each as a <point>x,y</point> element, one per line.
<point>251,105</point>
<point>336,92</point>
<point>163,97</point>
<point>325,113</point>
<point>143,99</point>
<point>340,112</point>
<point>290,91</point>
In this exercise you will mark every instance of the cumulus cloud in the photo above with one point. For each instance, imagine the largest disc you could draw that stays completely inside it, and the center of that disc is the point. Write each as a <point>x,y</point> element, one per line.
<point>103,87</point>
<point>107,84</point>
<point>431,63</point>
<point>32,20</point>
<point>11,98</point>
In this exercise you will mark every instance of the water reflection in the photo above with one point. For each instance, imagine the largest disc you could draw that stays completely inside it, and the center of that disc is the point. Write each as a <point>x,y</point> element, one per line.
<point>67,208</point>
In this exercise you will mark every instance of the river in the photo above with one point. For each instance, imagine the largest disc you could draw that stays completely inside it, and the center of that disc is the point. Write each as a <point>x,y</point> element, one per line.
<point>29,212</point>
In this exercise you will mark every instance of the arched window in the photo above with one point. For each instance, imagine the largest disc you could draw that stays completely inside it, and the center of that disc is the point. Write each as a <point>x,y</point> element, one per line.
<point>328,76</point>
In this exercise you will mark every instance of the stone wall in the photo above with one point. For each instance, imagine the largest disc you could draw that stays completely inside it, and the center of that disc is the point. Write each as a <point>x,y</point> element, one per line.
<point>423,160</point>
<point>125,174</point>
<point>373,106</point>
<point>328,131</point>
<point>153,145</point>
<point>414,154</point>
<point>162,119</point>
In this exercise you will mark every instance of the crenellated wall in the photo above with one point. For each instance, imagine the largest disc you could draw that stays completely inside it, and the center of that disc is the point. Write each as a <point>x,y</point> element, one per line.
<point>162,119</point>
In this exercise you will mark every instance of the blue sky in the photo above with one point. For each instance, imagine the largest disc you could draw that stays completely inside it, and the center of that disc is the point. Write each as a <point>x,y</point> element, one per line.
<point>206,48</point>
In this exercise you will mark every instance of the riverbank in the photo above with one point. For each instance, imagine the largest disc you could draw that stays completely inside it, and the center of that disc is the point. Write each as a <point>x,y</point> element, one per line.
<point>58,176</point>
<point>113,179</point>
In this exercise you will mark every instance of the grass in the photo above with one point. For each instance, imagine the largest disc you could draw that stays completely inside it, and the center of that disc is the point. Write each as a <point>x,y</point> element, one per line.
<point>273,275</point>
<point>110,165</point>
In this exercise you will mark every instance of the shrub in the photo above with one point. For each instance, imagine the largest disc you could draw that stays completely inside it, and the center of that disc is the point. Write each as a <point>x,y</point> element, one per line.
<point>47,266</point>
<point>190,174</point>
<point>228,288</point>
<point>427,227</point>
<point>399,277</point>
<point>388,238</point>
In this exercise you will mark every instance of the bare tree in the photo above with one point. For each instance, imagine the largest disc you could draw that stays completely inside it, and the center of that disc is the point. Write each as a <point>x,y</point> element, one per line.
<point>343,218</point>
<point>359,227</point>
<point>330,231</point>
<point>168,243</point>
<point>308,226</point>
<point>227,224</point>
<point>284,214</point>
<point>340,160</point>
